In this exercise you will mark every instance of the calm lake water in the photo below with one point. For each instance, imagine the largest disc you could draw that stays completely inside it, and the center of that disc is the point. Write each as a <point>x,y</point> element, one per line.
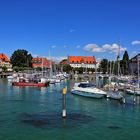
<point>33,113</point>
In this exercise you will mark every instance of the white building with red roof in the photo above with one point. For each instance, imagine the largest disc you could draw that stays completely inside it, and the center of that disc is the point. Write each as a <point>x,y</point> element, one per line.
<point>40,62</point>
<point>5,61</point>
<point>82,61</point>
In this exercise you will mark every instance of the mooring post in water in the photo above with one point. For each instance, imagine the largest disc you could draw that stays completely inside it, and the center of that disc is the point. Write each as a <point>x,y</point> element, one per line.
<point>64,102</point>
<point>134,96</point>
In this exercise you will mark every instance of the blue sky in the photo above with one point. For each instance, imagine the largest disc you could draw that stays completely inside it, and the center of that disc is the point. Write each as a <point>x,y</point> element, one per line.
<point>70,27</point>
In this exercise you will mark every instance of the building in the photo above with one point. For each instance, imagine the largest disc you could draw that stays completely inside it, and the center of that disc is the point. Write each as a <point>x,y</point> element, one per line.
<point>64,62</point>
<point>82,61</point>
<point>40,62</point>
<point>5,61</point>
<point>133,64</point>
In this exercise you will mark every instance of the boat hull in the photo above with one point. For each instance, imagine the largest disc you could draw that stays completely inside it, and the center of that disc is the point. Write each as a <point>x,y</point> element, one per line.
<point>114,95</point>
<point>87,94</point>
<point>131,92</point>
<point>30,84</point>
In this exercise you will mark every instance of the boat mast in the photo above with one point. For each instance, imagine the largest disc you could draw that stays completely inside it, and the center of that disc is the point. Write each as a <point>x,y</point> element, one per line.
<point>110,76</point>
<point>138,58</point>
<point>96,79</point>
<point>118,60</point>
<point>42,66</point>
<point>50,64</point>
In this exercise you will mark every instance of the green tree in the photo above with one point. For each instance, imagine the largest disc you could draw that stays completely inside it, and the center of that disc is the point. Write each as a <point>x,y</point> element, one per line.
<point>124,63</point>
<point>67,68</point>
<point>15,68</point>
<point>21,58</point>
<point>103,65</point>
<point>125,56</point>
<point>4,69</point>
<point>39,69</point>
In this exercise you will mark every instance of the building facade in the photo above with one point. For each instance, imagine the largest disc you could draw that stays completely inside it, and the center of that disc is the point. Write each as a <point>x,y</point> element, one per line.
<point>5,61</point>
<point>82,61</point>
<point>40,62</point>
<point>133,64</point>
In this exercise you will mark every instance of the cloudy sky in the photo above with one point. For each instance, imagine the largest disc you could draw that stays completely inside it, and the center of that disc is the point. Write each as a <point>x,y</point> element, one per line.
<point>70,27</point>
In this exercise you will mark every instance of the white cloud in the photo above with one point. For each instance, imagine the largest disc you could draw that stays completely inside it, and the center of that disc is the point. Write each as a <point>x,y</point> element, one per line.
<point>107,47</point>
<point>54,46</point>
<point>35,55</point>
<point>136,42</point>
<point>114,48</point>
<point>98,59</point>
<point>93,48</point>
<point>59,58</point>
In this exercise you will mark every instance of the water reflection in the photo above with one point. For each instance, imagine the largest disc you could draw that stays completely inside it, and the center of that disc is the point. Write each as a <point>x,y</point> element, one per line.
<point>55,120</point>
<point>43,90</point>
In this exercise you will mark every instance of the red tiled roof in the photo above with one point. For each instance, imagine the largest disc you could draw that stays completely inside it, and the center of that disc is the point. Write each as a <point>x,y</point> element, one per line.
<point>64,62</point>
<point>82,59</point>
<point>3,57</point>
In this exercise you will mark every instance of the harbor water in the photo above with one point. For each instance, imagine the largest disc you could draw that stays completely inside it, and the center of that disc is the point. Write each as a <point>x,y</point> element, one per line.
<point>32,113</point>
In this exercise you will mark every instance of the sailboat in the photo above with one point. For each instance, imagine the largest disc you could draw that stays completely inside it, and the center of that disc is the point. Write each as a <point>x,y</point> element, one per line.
<point>115,94</point>
<point>52,78</point>
<point>135,90</point>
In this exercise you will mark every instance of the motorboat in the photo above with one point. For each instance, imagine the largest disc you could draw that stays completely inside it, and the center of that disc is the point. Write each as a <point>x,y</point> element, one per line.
<point>87,89</point>
<point>21,81</point>
<point>116,95</point>
<point>133,91</point>
<point>10,78</point>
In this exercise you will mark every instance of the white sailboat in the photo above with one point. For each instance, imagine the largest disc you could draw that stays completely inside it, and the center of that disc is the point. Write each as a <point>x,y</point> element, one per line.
<point>52,78</point>
<point>135,90</point>
<point>115,94</point>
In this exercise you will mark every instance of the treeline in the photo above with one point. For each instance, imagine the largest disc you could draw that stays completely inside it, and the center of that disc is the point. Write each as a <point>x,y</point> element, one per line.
<point>67,68</point>
<point>115,67</point>
<point>22,60</point>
